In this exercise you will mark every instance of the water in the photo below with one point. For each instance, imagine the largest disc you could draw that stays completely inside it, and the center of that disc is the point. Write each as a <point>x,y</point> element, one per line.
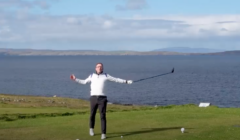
<point>196,79</point>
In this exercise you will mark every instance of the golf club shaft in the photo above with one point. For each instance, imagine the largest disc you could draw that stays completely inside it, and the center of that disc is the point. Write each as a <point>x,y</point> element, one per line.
<point>153,76</point>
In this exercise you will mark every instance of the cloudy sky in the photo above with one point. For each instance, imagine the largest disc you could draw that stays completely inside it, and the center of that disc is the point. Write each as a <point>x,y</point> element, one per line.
<point>141,25</point>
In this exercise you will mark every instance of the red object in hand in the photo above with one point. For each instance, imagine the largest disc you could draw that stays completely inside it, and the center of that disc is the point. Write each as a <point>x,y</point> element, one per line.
<point>72,77</point>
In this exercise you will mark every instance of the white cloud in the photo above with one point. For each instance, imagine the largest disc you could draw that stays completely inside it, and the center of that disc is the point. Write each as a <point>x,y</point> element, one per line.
<point>214,24</point>
<point>6,4</point>
<point>107,24</point>
<point>132,5</point>
<point>42,3</point>
<point>4,29</point>
<point>72,20</point>
<point>95,27</point>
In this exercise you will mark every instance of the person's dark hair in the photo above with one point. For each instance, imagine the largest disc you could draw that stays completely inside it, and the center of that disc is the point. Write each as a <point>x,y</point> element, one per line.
<point>99,63</point>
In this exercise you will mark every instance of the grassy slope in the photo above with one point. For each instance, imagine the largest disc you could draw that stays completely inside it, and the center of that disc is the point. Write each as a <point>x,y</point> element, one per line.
<point>150,123</point>
<point>14,107</point>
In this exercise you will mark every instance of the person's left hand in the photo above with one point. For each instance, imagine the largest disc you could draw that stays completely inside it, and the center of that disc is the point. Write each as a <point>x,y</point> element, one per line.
<point>129,81</point>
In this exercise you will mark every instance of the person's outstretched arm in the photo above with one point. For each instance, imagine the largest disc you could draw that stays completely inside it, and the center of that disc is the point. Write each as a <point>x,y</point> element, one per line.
<point>118,80</point>
<point>79,80</point>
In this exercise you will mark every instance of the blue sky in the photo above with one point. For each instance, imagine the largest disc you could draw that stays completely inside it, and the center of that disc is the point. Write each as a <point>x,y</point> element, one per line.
<point>141,25</point>
<point>151,7</point>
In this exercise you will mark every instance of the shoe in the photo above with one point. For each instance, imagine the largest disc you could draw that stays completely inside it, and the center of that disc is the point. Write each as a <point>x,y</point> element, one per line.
<point>103,136</point>
<point>91,132</point>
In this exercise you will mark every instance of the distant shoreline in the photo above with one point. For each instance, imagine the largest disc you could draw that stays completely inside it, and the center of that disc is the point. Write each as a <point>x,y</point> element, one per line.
<point>31,52</point>
<point>12,97</point>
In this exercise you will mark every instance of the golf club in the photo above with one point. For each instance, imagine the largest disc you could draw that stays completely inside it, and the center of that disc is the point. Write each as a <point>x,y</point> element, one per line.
<point>154,76</point>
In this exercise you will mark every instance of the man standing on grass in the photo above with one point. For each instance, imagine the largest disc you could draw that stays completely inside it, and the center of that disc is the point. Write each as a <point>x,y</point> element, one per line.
<point>98,97</point>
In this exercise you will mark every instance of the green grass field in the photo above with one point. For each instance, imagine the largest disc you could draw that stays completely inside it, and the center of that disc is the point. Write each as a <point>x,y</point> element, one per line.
<point>37,118</point>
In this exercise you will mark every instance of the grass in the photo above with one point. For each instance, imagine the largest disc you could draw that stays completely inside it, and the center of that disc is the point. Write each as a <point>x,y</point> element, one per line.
<point>14,107</point>
<point>131,122</point>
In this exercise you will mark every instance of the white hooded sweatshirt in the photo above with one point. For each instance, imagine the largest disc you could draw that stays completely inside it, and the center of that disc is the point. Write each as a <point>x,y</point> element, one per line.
<point>98,83</point>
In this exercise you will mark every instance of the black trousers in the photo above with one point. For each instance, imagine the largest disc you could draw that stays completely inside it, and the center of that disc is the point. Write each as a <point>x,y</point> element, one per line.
<point>98,102</point>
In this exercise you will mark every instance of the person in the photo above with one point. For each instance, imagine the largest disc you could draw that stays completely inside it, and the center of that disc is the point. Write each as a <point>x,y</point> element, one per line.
<point>98,98</point>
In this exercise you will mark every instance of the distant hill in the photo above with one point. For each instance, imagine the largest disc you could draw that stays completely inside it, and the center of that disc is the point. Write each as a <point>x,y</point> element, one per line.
<point>189,50</point>
<point>32,52</point>
<point>236,52</point>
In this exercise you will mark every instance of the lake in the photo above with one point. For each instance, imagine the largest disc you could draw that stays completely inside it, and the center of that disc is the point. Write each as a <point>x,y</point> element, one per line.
<point>202,78</point>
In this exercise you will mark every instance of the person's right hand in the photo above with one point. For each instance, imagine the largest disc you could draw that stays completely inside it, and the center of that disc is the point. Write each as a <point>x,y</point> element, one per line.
<point>73,77</point>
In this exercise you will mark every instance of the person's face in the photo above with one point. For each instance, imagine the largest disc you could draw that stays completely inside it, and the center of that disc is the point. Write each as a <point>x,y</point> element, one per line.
<point>99,68</point>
